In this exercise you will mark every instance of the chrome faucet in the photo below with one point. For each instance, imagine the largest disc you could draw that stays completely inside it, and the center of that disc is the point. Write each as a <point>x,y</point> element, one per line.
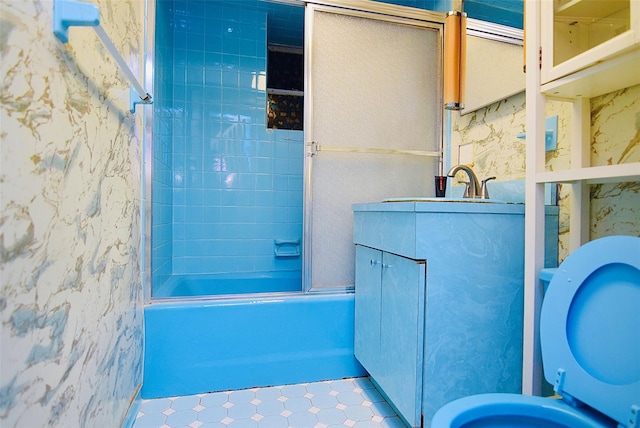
<point>473,189</point>
<point>484,191</point>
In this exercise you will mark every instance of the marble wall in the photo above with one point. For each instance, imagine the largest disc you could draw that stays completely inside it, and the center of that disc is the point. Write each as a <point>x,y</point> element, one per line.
<point>615,136</point>
<point>71,296</point>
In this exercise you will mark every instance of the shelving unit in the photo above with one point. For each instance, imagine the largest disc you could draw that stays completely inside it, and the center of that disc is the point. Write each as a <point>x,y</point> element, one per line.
<point>579,34</point>
<point>580,59</point>
<point>593,175</point>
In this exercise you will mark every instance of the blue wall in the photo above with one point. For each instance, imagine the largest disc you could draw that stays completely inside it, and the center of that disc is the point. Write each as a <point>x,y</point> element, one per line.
<point>227,186</point>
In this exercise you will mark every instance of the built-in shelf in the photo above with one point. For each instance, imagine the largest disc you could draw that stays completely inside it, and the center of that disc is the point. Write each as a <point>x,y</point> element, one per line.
<point>587,48</point>
<point>591,9</point>
<point>602,78</point>
<point>593,175</point>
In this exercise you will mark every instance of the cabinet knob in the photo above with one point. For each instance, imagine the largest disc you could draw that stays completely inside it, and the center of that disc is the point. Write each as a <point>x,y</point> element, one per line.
<point>386,266</point>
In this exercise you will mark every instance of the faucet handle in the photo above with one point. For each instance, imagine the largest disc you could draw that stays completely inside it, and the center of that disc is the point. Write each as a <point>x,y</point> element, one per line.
<point>484,190</point>
<point>467,188</point>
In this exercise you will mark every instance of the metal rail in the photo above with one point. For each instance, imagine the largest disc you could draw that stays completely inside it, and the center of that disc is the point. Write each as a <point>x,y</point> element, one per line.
<point>314,148</point>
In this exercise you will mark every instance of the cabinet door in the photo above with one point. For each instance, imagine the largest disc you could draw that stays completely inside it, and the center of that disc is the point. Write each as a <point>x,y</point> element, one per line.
<point>402,334</point>
<point>367,308</point>
<point>580,33</point>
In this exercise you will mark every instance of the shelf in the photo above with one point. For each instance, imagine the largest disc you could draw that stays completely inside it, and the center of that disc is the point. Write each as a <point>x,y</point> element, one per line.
<point>593,175</point>
<point>292,92</point>
<point>602,78</point>
<point>586,51</point>
<point>591,9</point>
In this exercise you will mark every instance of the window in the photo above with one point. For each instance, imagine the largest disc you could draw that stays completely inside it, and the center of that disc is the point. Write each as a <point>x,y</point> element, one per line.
<point>285,87</point>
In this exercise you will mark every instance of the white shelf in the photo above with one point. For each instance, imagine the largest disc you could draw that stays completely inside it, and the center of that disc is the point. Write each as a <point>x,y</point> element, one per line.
<point>593,175</point>
<point>578,36</point>
<point>602,78</point>
<point>591,9</point>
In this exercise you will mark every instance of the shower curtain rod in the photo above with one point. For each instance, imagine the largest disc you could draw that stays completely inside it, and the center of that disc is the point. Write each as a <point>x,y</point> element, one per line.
<point>71,13</point>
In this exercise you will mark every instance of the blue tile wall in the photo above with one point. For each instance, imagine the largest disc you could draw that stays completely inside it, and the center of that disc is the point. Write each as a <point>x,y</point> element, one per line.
<point>233,186</point>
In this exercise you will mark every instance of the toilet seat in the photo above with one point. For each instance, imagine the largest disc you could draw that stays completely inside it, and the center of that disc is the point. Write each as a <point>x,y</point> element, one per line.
<point>514,410</point>
<point>595,358</point>
<point>590,340</point>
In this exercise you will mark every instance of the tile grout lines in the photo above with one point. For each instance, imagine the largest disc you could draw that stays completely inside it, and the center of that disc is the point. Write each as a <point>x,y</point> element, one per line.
<point>352,402</point>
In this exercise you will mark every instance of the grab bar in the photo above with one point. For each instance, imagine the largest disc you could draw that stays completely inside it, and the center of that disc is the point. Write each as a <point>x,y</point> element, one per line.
<point>314,148</point>
<point>71,13</point>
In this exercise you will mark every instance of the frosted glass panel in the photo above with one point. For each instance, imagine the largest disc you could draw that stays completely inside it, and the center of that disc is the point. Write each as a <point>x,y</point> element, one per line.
<point>343,179</point>
<point>374,84</point>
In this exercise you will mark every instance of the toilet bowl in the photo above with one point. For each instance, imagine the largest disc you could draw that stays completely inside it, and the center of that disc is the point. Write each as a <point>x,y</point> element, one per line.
<point>590,343</point>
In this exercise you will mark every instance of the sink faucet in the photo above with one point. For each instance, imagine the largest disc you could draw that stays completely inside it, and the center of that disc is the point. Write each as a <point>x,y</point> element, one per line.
<point>472,186</point>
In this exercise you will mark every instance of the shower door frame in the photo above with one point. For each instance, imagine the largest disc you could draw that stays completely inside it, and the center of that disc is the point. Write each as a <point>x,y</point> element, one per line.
<point>147,144</point>
<point>357,8</point>
<point>375,10</point>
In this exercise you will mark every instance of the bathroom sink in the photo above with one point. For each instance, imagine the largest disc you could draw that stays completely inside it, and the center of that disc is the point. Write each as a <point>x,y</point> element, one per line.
<point>432,199</point>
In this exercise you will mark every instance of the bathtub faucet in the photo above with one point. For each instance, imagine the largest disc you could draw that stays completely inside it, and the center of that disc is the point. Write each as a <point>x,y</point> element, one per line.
<point>473,189</point>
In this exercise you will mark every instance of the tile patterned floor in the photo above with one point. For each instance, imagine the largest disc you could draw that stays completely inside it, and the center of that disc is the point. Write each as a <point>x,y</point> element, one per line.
<point>337,403</point>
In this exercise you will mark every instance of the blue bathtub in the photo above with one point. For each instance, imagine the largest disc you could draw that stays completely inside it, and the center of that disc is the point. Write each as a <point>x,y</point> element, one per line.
<point>206,345</point>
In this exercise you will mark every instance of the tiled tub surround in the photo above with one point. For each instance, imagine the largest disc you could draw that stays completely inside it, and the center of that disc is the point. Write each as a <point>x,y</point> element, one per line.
<point>71,301</point>
<point>334,403</point>
<point>206,345</point>
<point>225,187</point>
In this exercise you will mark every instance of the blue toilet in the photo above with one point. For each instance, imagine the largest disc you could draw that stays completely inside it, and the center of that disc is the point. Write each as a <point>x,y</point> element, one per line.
<point>590,340</point>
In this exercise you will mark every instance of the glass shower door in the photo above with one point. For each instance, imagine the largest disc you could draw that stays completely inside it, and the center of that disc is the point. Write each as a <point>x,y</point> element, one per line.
<point>373,125</point>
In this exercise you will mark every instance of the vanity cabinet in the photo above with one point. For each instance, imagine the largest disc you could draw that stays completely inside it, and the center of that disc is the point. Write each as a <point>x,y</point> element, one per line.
<point>390,293</point>
<point>439,300</point>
